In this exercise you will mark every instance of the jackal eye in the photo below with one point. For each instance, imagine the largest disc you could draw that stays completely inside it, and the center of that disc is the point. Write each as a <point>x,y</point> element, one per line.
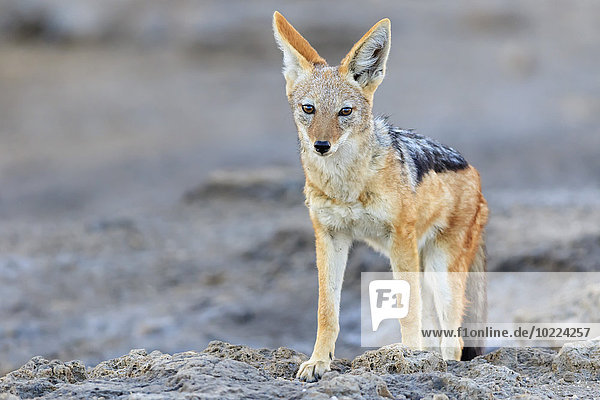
<point>345,111</point>
<point>308,108</point>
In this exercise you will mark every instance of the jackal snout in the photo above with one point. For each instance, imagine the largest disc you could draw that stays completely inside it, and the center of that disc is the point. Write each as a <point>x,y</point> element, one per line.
<point>322,146</point>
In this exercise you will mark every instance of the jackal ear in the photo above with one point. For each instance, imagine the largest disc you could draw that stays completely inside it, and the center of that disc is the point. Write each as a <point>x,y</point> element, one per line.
<point>298,54</point>
<point>365,63</point>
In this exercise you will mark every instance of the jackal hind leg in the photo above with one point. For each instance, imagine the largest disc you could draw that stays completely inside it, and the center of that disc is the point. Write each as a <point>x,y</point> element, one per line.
<point>430,321</point>
<point>447,296</point>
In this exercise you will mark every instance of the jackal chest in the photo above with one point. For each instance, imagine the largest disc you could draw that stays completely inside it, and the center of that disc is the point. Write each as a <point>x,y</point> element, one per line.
<point>371,222</point>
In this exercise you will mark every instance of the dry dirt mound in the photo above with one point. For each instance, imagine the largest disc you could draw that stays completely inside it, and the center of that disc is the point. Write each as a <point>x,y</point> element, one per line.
<point>226,371</point>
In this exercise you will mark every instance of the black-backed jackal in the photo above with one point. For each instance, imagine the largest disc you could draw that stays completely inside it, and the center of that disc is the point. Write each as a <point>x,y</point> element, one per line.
<point>409,197</point>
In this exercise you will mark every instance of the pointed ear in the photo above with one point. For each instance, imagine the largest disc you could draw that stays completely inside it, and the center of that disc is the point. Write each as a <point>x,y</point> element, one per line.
<point>298,54</point>
<point>365,63</point>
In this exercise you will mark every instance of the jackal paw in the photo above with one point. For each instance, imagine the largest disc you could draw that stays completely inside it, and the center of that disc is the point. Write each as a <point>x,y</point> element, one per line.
<point>313,370</point>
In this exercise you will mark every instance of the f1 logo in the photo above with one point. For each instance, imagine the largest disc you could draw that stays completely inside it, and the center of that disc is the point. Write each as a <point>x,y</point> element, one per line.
<point>388,299</point>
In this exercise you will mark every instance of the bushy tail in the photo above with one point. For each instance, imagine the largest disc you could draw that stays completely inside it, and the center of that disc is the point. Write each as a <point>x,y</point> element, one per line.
<point>476,307</point>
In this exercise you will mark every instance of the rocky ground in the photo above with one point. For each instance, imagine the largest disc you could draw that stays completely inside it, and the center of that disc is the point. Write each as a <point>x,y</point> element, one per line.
<point>151,198</point>
<point>226,371</point>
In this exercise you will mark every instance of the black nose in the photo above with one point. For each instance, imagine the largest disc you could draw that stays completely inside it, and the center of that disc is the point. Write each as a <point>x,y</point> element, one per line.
<point>322,146</point>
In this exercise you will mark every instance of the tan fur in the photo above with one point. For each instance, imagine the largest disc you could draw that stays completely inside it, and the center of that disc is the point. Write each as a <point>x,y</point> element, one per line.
<point>360,190</point>
<point>344,65</point>
<point>296,40</point>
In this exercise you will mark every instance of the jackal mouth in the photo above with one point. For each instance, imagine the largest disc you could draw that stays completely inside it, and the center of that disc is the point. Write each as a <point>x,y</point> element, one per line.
<point>323,155</point>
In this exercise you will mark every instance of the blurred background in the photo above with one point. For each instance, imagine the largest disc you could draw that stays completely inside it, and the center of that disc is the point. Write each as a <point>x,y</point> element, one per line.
<point>143,204</point>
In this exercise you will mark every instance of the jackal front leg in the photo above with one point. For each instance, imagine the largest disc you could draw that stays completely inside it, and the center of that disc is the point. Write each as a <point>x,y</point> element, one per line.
<point>404,257</point>
<point>332,254</point>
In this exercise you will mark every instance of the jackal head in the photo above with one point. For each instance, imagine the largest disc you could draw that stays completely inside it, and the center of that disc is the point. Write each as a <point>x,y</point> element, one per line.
<point>332,106</point>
